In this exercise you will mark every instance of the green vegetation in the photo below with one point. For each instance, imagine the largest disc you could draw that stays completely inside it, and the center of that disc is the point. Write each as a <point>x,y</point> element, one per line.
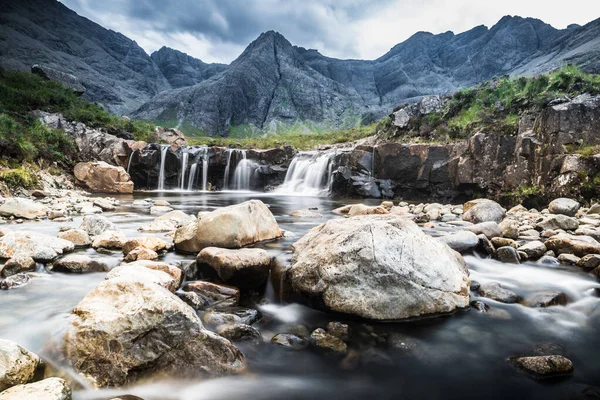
<point>24,138</point>
<point>301,141</point>
<point>527,191</point>
<point>496,106</point>
<point>585,150</point>
<point>18,178</point>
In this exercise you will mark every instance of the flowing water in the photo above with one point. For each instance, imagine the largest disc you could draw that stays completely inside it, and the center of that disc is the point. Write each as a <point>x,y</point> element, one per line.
<point>184,163</point>
<point>461,356</point>
<point>309,174</point>
<point>192,177</point>
<point>161,175</point>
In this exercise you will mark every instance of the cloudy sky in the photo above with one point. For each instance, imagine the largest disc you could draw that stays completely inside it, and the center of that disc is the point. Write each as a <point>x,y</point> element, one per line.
<point>218,30</point>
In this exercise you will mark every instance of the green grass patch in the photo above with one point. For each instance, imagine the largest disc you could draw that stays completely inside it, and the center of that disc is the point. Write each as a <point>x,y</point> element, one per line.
<point>18,178</point>
<point>585,150</point>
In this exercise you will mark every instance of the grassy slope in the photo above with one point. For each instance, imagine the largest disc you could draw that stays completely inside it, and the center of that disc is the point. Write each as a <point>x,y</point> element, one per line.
<point>496,106</point>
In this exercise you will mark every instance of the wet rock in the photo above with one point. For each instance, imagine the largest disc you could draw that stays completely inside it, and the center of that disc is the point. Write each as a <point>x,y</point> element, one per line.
<point>361,209</point>
<point>161,203</point>
<point>17,365</point>
<point>555,222</point>
<point>221,295</point>
<point>22,208</point>
<point>101,177</point>
<point>503,242</point>
<point>534,249</point>
<point>305,214</point>
<point>77,263</point>
<point>460,241</point>
<point>104,204</point>
<point>564,206</point>
<point>483,210</point>
<point>40,247</point>
<point>168,222</point>
<point>78,237</point>
<point>548,260</point>
<point>494,291</point>
<point>47,389</point>
<point>589,262</point>
<point>338,330</point>
<point>568,259</point>
<point>17,264</point>
<point>109,240</point>
<point>229,316</point>
<point>240,333</point>
<point>490,229</point>
<point>378,267</point>
<point>244,268</point>
<point>149,331</point>
<point>543,366</point>
<point>508,254</point>
<point>160,209</point>
<point>95,225</point>
<point>509,228</point>
<point>546,299</point>
<point>160,274</point>
<point>485,245</point>
<point>480,306</point>
<point>328,342</point>
<point>141,253</point>
<point>15,281</point>
<point>153,243</point>
<point>229,227</point>
<point>289,341</point>
<point>577,245</point>
<point>192,299</point>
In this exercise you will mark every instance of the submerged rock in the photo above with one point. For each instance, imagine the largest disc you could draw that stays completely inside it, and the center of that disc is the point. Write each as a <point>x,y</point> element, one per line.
<point>149,332</point>
<point>15,281</point>
<point>47,389</point>
<point>290,341</point>
<point>328,342</point>
<point>229,227</point>
<point>38,246</point>
<point>240,333</point>
<point>494,291</point>
<point>378,267</point>
<point>17,365</point>
<point>546,299</point>
<point>543,366</point>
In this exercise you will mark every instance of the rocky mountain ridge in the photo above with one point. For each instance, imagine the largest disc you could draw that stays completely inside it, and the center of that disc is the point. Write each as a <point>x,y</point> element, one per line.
<point>275,86</point>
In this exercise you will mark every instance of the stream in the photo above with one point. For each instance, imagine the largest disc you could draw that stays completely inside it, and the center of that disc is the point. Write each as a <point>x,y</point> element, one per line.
<point>449,357</point>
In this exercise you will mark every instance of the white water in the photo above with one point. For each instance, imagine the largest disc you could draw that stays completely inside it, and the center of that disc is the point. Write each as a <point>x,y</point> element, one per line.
<point>129,162</point>
<point>192,177</point>
<point>310,173</point>
<point>227,169</point>
<point>184,163</point>
<point>244,171</point>
<point>161,175</point>
<point>205,173</point>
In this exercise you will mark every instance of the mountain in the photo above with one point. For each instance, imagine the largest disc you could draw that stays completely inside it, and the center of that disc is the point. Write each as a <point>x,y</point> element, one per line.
<point>254,93</point>
<point>182,70</point>
<point>274,86</point>
<point>267,87</point>
<point>115,71</point>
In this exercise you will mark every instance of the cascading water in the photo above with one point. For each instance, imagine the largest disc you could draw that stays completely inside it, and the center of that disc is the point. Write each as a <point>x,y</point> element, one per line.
<point>244,171</point>
<point>161,175</point>
<point>310,173</point>
<point>184,163</point>
<point>227,169</point>
<point>192,177</point>
<point>205,173</point>
<point>129,162</point>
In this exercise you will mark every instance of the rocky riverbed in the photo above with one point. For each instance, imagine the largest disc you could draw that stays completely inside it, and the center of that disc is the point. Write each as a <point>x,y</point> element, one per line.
<point>218,295</point>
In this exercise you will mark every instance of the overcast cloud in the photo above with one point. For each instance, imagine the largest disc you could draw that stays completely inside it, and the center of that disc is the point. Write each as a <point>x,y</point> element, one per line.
<point>219,30</point>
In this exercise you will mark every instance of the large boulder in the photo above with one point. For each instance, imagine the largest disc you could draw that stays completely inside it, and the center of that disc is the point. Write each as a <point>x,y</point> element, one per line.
<point>158,273</point>
<point>38,246</point>
<point>17,264</point>
<point>461,240</point>
<point>564,206</point>
<point>483,210</point>
<point>558,221</point>
<point>101,177</point>
<point>47,389</point>
<point>245,268</point>
<point>22,208</point>
<point>170,136</point>
<point>229,227</point>
<point>17,365</point>
<point>571,244</point>
<point>378,267</point>
<point>128,329</point>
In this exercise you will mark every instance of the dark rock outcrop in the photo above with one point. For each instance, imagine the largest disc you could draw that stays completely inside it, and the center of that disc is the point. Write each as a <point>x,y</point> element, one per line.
<point>68,80</point>
<point>182,70</point>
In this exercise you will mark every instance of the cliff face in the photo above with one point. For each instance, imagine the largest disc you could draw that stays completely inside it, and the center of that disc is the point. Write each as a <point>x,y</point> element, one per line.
<point>114,70</point>
<point>182,70</point>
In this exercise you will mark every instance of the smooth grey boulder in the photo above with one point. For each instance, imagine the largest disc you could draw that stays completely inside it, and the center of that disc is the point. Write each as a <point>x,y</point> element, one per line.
<point>490,229</point>
<point>38,246</point>
<point>150,331</point>
<point>534,249</point>
<point>483,210</point>
<point>95,225</point>
<point>380,267</point>
<point>495,291</point>
<point>543,366</point>
<point>558,221</point>
<point>564,206</point>
<point>460,241</point>
<point>508,254</point>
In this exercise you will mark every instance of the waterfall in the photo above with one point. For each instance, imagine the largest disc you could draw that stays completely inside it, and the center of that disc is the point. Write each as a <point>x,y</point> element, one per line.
<point>227,168</point>
<point>192,178</point>
<point>204,173</point>
<point>244,171</point>
<point>310,173</point>
<point>129,162</point>
<point>161,175</point>
<point>184,163</point>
